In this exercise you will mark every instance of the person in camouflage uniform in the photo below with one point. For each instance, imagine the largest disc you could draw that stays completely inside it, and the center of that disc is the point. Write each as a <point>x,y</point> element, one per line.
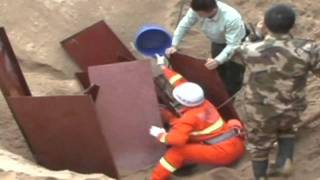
<point>273,94</point>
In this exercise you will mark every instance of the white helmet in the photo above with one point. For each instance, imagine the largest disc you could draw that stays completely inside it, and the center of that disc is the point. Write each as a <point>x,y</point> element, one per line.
<point>189,94</point>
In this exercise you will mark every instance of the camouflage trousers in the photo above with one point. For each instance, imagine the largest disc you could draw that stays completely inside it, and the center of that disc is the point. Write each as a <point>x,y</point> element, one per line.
<point>264,125</point>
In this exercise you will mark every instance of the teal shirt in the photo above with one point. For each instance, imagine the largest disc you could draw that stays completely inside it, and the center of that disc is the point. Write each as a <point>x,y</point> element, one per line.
<point>227,27</point>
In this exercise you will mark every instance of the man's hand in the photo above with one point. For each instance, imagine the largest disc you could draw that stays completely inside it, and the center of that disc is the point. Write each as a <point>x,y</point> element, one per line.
<point>212,64</point>
<point>171,50</point>
<point>156,131</point>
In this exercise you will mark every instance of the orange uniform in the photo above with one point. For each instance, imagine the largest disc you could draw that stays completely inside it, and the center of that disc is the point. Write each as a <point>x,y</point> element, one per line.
<point>174,78</point>
<point>196,137</point>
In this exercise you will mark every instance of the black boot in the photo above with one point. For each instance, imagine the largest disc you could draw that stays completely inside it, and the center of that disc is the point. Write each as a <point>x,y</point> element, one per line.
<point>260,169</point>
<point>284,162</point>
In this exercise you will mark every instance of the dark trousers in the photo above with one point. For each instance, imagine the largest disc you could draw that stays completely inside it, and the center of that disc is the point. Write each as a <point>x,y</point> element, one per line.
<point>230,72</point>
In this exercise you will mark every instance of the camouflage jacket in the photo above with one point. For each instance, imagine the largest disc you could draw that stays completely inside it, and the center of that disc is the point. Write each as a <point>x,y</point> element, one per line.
<point>277,70</point>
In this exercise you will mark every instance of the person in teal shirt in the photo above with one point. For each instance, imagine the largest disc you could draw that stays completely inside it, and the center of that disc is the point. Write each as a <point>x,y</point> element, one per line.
<point>224,26</point>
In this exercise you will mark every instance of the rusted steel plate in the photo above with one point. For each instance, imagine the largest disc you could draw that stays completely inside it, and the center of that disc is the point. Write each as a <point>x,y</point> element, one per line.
<point>194,70</point>
<point>83,78</point>
<point>92,91</point>
<point>127,106</point>
<point>64,133</point>
<point>96,45</point>
<point>12,82</point>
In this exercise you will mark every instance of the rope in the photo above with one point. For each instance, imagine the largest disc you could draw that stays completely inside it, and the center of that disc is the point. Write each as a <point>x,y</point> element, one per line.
<point>228,100</point>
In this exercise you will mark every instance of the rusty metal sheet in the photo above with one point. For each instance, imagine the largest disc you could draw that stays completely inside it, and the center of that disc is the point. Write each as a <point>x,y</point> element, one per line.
<point>64,133</point>
<point>83,78</point>
<point>12,81</point>
<point>92,91</point>
<point>96,45</point>
<point>194,70</point>
<point>127,106</point>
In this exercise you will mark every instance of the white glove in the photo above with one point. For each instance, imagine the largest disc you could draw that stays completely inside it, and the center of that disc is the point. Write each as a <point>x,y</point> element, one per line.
<point>156,131</point>
<point>160,59</point>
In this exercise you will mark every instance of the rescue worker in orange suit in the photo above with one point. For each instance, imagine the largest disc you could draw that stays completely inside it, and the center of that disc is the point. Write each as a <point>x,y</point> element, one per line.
<point>199,135</point>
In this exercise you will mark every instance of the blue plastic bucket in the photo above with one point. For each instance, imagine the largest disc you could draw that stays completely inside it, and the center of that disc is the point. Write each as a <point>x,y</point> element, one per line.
<point>153,39</point>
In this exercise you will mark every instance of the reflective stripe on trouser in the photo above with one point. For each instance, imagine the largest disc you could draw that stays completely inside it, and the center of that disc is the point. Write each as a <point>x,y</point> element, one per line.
<point>223,153</point>
<point>167,165</point>
<point>163,170</point>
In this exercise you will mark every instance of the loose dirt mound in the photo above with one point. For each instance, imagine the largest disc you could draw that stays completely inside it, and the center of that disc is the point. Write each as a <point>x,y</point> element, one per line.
<point>14,167</point>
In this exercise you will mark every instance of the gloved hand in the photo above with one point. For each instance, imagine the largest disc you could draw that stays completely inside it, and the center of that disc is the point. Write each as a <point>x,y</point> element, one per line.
<point>160,60</point>
<point>156,131</point>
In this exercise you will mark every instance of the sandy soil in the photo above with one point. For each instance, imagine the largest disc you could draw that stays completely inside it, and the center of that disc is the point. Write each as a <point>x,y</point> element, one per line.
<point>14,167</point>
<point>35,28</point>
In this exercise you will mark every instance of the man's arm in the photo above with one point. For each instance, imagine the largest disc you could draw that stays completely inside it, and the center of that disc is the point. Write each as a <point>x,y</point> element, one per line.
<point>190,19</point>
<point>240,53</point>
<point>179,133</point>
<point>235,32</point>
